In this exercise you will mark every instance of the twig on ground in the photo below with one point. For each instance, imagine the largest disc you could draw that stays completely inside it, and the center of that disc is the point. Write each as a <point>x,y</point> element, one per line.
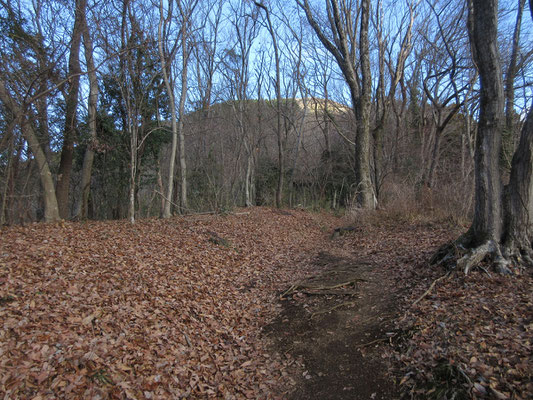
<point>430,288</point>
<point>332,308</point>
<point>372,342</point>
<point>187,339</point>
<point>302,285</point>
<point>331,293</point>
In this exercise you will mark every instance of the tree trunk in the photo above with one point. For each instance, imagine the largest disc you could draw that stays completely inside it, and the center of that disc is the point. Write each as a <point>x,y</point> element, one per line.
<point>134,135</point>
<point>181,134</point>
<point>248,184</point>
<point>82,208</point>
<point>9,131</point>
<point>483,31</point>
<point>71,122</point>
<point>509,84</point>
<point>166,65</point>
<point>519,208</point>
<point>51,211</point>
<point>281,158</point>
<point>501,227</point>
<point>342,48</point>
<point>365,194</point>
<point>518,235</point>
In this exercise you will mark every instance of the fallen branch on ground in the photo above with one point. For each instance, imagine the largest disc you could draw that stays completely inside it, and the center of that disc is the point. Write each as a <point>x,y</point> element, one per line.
<point>348,303</point>
<point>431,288</point>
<point>372,342</point>
<point>302,285</point>
<point>331,292</point>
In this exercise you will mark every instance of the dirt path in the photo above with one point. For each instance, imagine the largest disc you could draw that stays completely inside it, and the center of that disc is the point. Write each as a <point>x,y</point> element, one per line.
<point>339,349</point>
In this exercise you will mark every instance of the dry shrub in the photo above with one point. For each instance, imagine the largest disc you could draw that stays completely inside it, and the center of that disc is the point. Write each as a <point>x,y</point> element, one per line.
<point>405,202</point>
<point>450,203</point>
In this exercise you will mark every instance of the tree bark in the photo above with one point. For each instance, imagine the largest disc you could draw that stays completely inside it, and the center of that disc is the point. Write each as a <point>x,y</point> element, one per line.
<point>166,65</point>
<point>501,227</point>
<point>483,31</point>
<point>71,121</point>
<point>8,131</point>
<point>518,224</point>
<point>365,193</point>
<point>82,208</point>
<point>511,71</point>
<point>181,133</point>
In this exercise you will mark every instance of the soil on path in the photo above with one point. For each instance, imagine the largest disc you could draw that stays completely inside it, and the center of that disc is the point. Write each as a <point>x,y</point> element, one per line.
<point>336,325</point>
<point>340,349</point>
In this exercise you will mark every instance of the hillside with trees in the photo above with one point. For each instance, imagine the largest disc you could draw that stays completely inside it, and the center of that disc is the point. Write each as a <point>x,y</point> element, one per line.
<point>140,108</point>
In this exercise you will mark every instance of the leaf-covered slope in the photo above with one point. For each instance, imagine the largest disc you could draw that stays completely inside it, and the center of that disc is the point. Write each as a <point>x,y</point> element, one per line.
<point>153,310</point>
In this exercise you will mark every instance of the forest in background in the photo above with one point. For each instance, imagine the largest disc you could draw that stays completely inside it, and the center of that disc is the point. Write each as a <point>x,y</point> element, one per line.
<point>141,108</point>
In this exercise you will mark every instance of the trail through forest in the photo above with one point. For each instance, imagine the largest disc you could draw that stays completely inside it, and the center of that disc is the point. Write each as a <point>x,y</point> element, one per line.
<point>262,303</point>
<point>336,332</point>
<point>340,320</point>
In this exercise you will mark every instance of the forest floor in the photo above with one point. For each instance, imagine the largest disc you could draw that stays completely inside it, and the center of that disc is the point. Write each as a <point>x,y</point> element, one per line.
<point>258,304</point>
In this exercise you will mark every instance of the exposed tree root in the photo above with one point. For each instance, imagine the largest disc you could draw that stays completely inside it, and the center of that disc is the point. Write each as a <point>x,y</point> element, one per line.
<point>448,253</point>
<point>458,255</point>
<point>519,252</point>
<point>475,256</point>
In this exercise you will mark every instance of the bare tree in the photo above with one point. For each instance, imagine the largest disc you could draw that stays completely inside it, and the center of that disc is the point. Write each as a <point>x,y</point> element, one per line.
<point>277,85</point>
<point>343,46</point>
<point>517,227</point>
<point>501,227</point>
<point>445,81</point>
<point>186,10</point>
<point>167,56</point>
<point>51,210</point>
<point>92,103</point>
<point>237,73</point>
<point>71,110</point>
<point>388,42</point>
<point>25,73</point>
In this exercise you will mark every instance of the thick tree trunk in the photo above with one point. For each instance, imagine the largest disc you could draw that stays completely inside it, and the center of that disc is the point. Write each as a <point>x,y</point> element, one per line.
<point>483,30</point>
<point>71,122</point>
<point>510,77</point>
<point>501,227</point>
<point>365,193</point>
<point>518,232</point>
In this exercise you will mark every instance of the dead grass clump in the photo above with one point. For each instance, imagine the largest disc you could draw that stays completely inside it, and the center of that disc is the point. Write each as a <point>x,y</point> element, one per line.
<point>447,204</point>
